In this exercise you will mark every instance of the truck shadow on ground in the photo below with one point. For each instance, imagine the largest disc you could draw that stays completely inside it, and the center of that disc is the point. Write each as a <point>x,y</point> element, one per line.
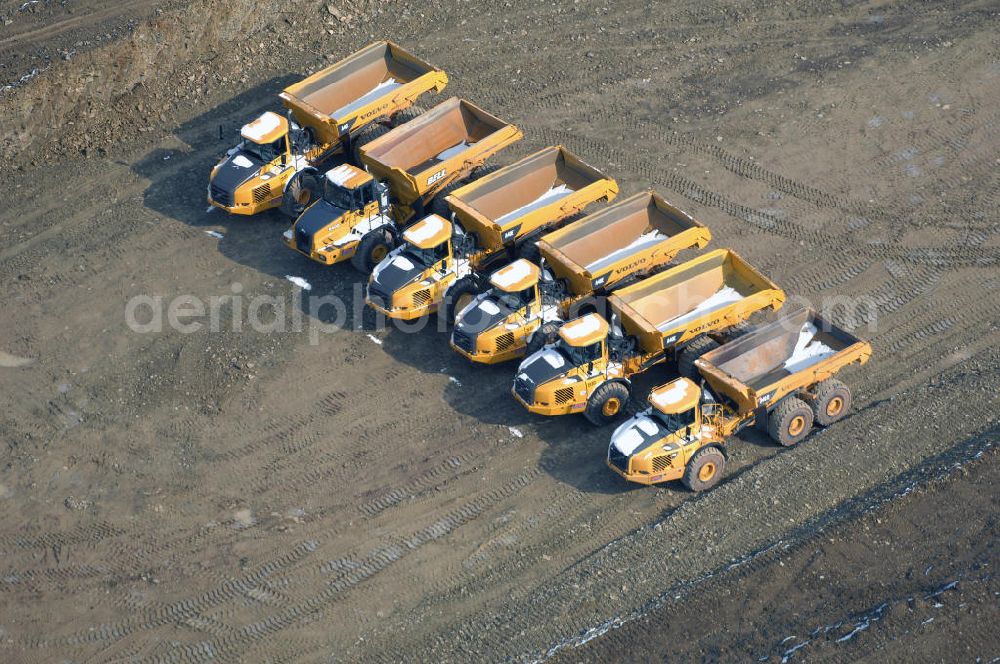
<point>574,450</point>
<point>177,189</point>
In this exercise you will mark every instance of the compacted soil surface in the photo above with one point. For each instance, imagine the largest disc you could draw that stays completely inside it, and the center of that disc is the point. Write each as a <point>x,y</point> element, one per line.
<point>330,488</point>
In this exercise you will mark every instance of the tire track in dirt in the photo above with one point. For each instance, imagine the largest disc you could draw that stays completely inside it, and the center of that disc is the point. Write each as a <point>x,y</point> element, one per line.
<point>624,557</point>
<point>371,564</point>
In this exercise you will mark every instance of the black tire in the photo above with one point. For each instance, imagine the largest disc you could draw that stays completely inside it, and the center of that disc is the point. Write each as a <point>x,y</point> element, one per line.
<point>606,404</point>
<point>404,116</point>
<point>705,469</point>
<point>590,305</point>
<point>362,138</point>
<point>372,248</point>
<point>832,402</point>
<point>459,296</point>
<point>529,251</point>
<point>737,331</point>
<point>691,352</point>
<point>545,334</point>
<point>302,190</point>
<point>438,205</point>
<point>790,421</point>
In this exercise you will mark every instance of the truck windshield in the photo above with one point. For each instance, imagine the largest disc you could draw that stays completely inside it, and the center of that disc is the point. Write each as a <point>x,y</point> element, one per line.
<point>515,301</point>
<point>578,356</point>
<point>266,152</point>
<point>674,422</point>
<point>426,257</point>
<point>338,196</point>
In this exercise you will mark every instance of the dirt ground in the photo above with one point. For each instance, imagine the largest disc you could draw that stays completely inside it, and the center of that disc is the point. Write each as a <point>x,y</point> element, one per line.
<point>241,495</point>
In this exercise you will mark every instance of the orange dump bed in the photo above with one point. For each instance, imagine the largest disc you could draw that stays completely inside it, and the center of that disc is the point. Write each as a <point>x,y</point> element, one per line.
<point>639,234</point>
<point>795,351</point>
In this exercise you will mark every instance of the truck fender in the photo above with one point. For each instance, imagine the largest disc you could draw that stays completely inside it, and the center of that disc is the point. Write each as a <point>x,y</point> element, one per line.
<point>722,449</point>
<point>624,381</point>
<point>308,169</point>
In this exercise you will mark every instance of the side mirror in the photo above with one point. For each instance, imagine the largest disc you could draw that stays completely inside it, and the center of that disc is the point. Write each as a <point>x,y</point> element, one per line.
<point>590,367</point>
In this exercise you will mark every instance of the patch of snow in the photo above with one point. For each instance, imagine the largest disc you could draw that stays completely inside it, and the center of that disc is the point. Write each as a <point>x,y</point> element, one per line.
<point>425,229</point>
<point>210,209</point>
<point>375,339</point>
<point>582,327</point>
<point>341,174</point>
<point>299,281</point>
<point>472,305</point>
<point>166,157</point>
<point>489,307</point>
<point>287,234</point>
<point>458,148</point>
<point>382,88</point>
<point>642,242</point>
<point>669,397</point>
<point>515,432</point>
<point>722,298</point>
<point>808,350</point>
<point>370,224</point>
<point>550,196</point>
<point>242,161</point>
<point>402,262</point>
<point>452,379</point>
<point>390,259</point>
<point>550,314</point>
<point>24,79</point>
<point>261,127</point>
<point>508,276</point>
<point>215,234</point>
<point>361,229</point>
<point>553,357</point>
<point>628,436</point>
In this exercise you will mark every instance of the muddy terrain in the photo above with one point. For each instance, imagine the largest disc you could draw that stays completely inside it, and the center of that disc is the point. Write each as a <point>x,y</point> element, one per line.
<point>334,489</point>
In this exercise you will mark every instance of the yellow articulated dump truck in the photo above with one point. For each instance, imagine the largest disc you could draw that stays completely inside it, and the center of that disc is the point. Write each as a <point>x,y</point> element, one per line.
<point>780,375</point>
<point>677,314</point>
<point>360,215</point>
<point>582,262</point>
<point>279,159</point>
<point>496,219</point>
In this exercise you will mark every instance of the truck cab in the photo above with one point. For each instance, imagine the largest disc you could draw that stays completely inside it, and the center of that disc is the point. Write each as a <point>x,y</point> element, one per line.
<point>656,445</point>
<point>252,176</point>
<point>412,279</point>
<point>574,374</point>
<point>494,326</point>
<point>352,204</point>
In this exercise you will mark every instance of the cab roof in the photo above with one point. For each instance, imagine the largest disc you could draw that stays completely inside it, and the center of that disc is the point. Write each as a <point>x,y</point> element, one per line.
<point>516,277</point>
<point>348,176</point>
<point>677,396</point>
<point>584,331</point>
<point>268,128</point>
<point>429,232</point>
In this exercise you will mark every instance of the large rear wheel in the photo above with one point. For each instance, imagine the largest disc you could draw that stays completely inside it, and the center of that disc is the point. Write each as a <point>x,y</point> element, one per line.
<point>705,469</point>
<point>691,352</point>
<point>832,402</point>
<point>790,421</point>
